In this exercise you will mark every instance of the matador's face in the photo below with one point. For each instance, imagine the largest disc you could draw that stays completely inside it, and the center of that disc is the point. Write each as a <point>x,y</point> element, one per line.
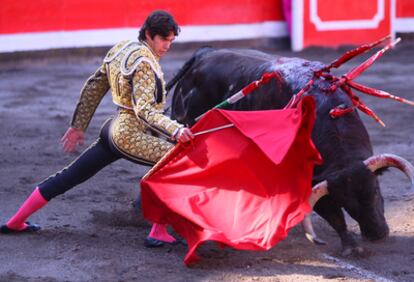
<point>159,44</point>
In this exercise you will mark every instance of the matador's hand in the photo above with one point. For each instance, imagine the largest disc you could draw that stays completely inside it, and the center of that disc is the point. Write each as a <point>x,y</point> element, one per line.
<point>71,139</point>
<point>184,135</point>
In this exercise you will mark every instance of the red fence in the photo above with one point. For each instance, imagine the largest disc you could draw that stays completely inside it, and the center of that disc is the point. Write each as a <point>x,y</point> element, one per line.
<point>43,24</point>
<point>68,15</point>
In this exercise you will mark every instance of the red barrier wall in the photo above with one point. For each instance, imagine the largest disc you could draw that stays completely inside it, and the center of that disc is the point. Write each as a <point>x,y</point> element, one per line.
<point>405,9</point>
<point>347,11</point>
<point>44,24</point>
<point>17,16</point>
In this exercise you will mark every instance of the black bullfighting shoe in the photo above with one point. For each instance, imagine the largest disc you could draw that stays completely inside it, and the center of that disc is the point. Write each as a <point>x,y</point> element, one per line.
<point>28,229</point>
<point>150,242</point>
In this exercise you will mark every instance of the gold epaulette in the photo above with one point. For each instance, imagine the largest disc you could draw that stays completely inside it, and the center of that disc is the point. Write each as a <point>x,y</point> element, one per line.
<point>116,50</point>
<point>136,55</point>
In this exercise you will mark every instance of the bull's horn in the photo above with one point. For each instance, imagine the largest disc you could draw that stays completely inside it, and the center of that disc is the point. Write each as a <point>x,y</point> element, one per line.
<point>387,160</point>
<point>319,190</point>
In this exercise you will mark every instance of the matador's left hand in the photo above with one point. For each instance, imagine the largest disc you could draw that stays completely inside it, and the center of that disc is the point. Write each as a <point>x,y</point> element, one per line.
<point>71,139</point>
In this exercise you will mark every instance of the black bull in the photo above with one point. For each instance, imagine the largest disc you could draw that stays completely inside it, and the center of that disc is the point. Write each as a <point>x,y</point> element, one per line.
<point>211,76</point>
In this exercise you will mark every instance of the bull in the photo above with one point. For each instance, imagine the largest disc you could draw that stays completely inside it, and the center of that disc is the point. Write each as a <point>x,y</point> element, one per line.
<point>349,171</point>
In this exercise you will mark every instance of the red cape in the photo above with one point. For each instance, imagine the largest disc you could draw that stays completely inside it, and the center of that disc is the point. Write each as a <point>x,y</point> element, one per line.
<point>245,186</point>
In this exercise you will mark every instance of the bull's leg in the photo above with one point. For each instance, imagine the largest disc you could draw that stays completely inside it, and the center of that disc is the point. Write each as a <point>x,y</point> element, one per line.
<point>334,215</point>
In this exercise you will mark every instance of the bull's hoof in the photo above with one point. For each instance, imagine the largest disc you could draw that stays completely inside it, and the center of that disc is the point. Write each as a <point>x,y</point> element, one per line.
<point>315,240</point>
<point>319,241</point>
<point>353,251</point>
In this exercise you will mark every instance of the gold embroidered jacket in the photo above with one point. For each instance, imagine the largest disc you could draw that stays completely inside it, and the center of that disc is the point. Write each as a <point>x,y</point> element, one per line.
<point>132,72</point>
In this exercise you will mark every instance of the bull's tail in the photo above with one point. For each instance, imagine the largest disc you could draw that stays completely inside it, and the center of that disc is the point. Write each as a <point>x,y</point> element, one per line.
<point>197,54</point>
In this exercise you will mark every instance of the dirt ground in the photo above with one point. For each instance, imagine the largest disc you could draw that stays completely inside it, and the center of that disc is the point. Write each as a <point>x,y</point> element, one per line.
<point>93,232</point>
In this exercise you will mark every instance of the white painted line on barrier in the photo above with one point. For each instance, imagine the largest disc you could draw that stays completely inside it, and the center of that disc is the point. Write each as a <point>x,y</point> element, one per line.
<point>109,37</point>
<point>297,25</point>
<point>360,271</point>
<point>404,25</point>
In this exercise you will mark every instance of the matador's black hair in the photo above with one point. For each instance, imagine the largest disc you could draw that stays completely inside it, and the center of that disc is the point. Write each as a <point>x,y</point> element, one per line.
<point>159,22</point>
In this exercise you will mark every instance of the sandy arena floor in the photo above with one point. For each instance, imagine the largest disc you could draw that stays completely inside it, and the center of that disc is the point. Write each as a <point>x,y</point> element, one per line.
<point>93,233</point>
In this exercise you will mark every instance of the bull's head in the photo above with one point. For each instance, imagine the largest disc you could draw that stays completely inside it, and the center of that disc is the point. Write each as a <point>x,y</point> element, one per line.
<point>356,189</point>
<point>364,201</point>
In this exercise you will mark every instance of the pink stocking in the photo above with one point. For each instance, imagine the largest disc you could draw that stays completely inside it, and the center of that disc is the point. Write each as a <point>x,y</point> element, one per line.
<point>159,232</point>
<point>30,206</point>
